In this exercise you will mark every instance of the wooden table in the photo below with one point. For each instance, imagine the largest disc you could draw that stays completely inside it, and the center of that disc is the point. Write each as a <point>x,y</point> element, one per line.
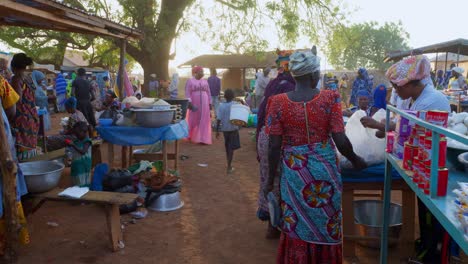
<point>128,156</point>
<point>110,201</point>
<point>406,242</point>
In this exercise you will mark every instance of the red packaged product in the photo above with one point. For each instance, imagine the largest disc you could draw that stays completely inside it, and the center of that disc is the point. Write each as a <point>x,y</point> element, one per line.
<point>421,140</point>
<point>442,151</point>
<point>438,118</point>
<point>390,141</point>
<point>408,155</point>
<point>442,182</point>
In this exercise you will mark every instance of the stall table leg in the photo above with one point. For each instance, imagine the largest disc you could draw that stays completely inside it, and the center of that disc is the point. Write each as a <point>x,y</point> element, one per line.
<point>164,152</point>
<point>349,246</point>
<point>110,154</point>
<point>408,220</point>
<point>176,160</point>
<point>124,156</point>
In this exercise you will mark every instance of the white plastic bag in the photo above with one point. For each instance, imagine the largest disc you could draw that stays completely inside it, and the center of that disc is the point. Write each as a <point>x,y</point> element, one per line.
<point>365,143</point>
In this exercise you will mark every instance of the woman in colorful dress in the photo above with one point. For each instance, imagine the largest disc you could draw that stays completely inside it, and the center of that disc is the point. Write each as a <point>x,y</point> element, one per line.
<point>198,115</point>
<point>8,99</point>
<point>362,82</point>
<point>283,83</point>
<point>304,125</point>
<point>26,123</point>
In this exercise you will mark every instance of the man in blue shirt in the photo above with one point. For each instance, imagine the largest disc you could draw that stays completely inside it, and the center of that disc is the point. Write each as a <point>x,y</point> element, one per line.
<point>215,88</point>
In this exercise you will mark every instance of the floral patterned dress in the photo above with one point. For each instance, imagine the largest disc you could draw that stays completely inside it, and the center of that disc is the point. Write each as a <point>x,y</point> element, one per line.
<point>26,124</point>
<point>310,183</point>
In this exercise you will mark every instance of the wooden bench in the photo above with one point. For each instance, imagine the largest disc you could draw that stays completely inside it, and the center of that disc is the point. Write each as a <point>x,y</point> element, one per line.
<point>109,200</point>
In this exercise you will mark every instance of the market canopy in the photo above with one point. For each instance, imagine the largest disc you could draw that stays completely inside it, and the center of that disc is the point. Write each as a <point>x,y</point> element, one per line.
<point>47,14</point>
<point>232,61</point>
<point>458,46</point>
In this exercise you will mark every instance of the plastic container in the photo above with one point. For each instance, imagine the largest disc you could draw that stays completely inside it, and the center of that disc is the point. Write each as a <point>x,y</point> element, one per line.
<point>105,122</point>
<point>239,114</point>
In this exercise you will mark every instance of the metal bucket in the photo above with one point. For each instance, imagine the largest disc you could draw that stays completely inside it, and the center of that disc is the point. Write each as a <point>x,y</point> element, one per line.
<point>368,217</point>
<point>167,202</point>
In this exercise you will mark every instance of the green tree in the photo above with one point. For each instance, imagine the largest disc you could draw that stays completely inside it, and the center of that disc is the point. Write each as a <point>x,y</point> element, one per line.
<point>365,45</point>
<point>234,26</point>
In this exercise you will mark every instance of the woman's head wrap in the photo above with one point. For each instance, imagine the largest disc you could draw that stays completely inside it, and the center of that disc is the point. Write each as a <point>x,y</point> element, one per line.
<point>409,69</point>
<point>197,69</point>
<point>363,93</point>
<point>283,59</point>
<point>70,103</point>
<point>458,70</point>
<point>37,77</point>
<point>363,72</point>
<point>303,62</point>
<point>380,97</point>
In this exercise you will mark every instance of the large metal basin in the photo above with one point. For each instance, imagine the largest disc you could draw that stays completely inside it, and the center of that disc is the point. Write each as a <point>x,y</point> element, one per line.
<point>182,102</point>
<point>368,216</point>
<point>41,176</point>
<point>153,118</point>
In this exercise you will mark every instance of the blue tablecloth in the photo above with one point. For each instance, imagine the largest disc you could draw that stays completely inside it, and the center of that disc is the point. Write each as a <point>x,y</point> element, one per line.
<point>375,173</point>
<point>138,136</point>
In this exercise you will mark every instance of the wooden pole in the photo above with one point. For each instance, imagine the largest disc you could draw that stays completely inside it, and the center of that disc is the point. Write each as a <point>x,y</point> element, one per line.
<point>123,47</point>
<point>10,210</point>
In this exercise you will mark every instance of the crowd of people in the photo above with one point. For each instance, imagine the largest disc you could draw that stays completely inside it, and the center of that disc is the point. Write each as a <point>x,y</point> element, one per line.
<point>299,131</point>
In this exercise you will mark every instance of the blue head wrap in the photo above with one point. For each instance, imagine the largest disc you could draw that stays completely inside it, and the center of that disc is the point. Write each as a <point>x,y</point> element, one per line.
<point>380,97</point>
<point>37,76</point>
<point>363,93</point>
<point>71,103</point>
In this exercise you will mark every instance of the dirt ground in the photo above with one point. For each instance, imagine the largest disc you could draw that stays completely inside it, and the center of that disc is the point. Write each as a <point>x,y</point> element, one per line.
<point>216,225</point>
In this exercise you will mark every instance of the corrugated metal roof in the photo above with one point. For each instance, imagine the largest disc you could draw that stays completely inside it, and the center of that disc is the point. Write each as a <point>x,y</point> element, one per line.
<point>52,15</point>
<point>455,46</point>
<point>233,61</point>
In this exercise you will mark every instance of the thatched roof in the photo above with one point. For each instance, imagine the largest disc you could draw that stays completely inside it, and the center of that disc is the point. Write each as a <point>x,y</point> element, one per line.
<point>233,61</point>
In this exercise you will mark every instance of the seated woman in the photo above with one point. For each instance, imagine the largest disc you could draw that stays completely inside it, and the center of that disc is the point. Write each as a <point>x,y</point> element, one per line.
<point>110,105</point>
<point>55,142</point>
<point>363,104</point>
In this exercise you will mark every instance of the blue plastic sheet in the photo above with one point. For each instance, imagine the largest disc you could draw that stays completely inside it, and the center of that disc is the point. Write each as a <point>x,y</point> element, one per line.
<point>374,173</point>
<point>139,136</point>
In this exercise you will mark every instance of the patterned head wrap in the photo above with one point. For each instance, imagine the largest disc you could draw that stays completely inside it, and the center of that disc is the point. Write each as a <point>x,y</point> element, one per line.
<point>283,59</point>
<point>303,62</point>
<point>70,103</point>
<point>409,69</point>
<point>197,69</point>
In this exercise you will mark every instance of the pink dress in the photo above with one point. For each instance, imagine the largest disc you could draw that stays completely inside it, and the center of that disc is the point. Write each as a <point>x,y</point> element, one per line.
<point>199,121</point>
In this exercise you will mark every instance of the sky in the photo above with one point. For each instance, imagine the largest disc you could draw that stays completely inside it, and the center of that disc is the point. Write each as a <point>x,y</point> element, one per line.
<point>427,22</point>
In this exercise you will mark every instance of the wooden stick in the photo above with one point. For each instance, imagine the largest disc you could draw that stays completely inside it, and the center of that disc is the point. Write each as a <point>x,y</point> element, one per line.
<point>10,210</point>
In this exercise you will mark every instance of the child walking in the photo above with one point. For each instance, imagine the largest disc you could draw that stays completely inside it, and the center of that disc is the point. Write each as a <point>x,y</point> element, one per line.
<point>230,131</point>
<point>81,155</point>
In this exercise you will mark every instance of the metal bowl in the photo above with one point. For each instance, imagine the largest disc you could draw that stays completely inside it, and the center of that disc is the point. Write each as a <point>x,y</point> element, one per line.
<point>182,102</point>
<point>167,202</point>
<point>153,118</point>
<point>368,217</point>
<point>41,176</point>
<point>463,159</point>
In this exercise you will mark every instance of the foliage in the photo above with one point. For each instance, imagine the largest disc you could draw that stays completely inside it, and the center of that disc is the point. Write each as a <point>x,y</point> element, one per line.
<point>229,26</point>
<point>365,45</point>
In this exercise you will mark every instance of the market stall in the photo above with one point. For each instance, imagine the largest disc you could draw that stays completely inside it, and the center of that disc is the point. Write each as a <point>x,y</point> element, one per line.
<point>128,137</point>
<point>424,168</point>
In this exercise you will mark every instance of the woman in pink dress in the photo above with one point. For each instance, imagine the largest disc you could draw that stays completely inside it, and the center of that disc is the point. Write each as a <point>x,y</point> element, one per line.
<point>198,115</point>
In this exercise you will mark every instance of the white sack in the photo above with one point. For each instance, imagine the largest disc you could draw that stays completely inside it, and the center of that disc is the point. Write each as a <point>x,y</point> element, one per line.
<point>364,141</point>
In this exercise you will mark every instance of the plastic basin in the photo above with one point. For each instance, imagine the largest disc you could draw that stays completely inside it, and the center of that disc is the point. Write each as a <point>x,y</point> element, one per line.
<point>105,122</point>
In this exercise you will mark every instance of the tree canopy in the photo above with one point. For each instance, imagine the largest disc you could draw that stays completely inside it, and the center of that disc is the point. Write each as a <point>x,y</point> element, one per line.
<point>230,26</point>
<point>365,45</point>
